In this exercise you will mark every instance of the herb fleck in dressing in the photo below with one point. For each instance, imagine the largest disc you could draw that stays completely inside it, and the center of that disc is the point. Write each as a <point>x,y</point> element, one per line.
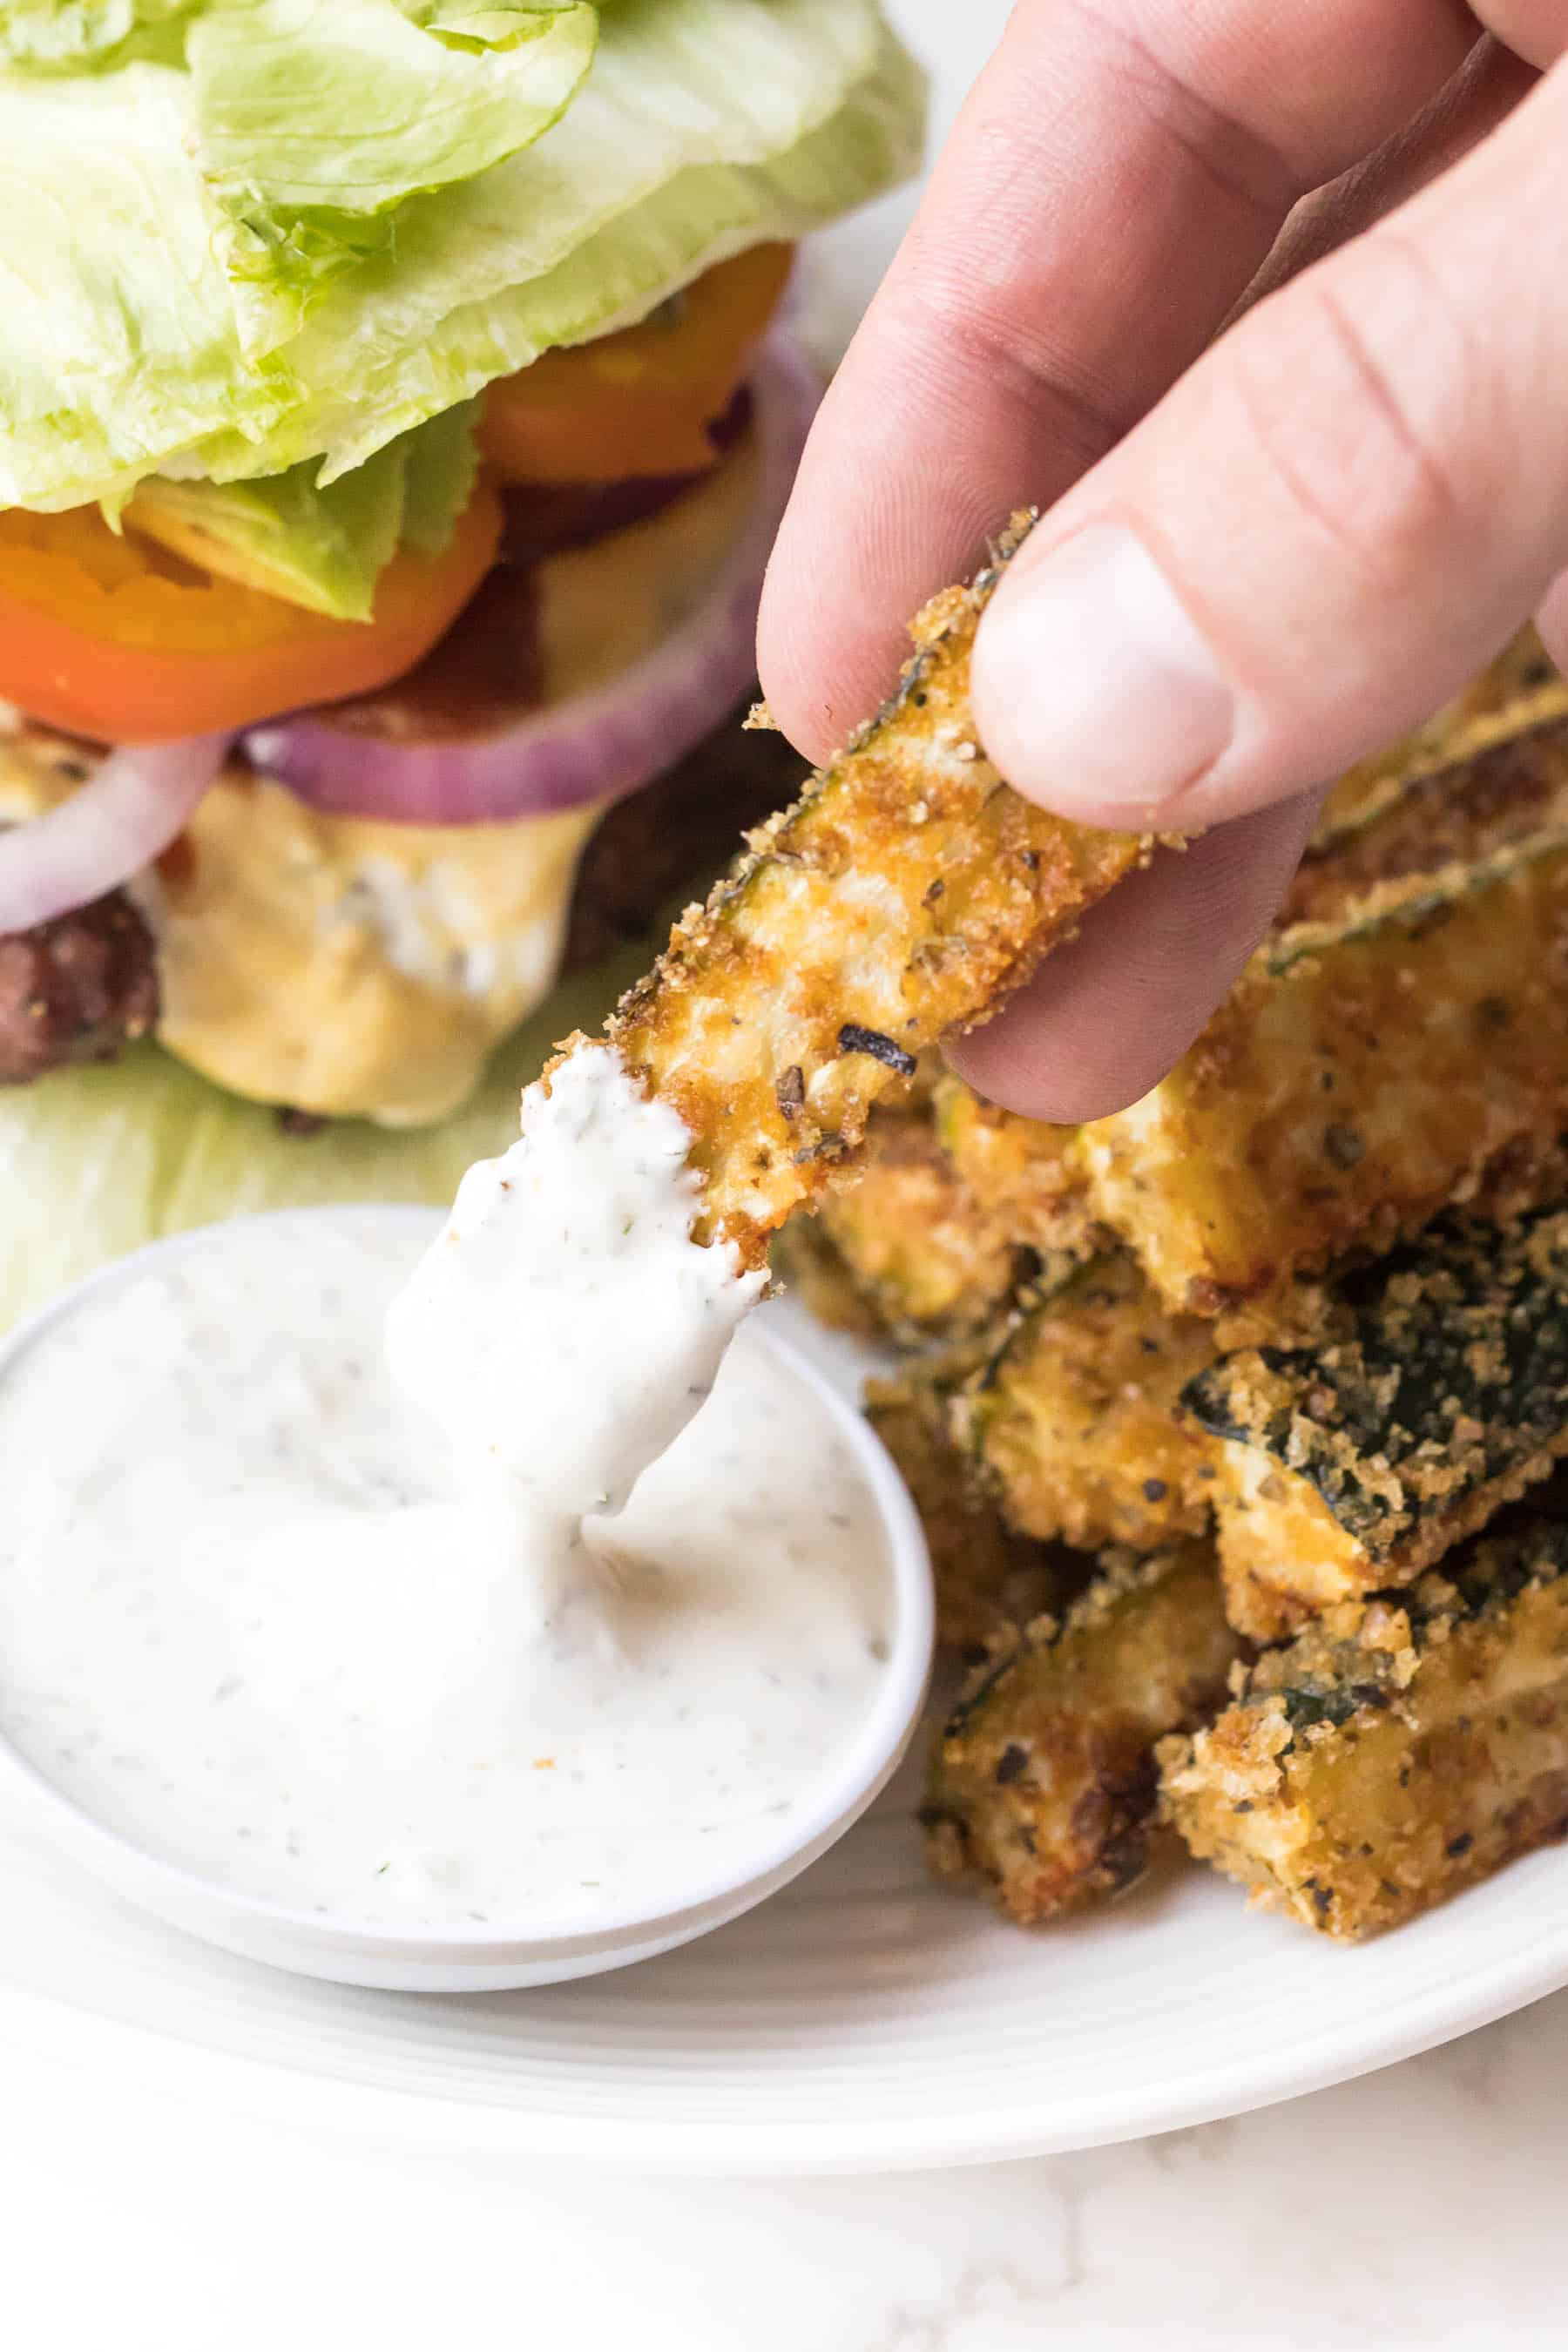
<point>475,1624</point>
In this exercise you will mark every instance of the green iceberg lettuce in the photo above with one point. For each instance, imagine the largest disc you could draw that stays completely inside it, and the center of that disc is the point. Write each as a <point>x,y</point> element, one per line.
<point>242,235</point>
<point>322,545</point>
<point>83,36</point>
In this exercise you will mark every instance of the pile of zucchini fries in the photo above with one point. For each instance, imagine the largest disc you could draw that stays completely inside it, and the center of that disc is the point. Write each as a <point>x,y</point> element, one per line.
<point>1233,1417</point>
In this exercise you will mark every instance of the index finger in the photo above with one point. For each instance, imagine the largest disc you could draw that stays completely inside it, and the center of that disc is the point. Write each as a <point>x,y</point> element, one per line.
<point>1121,171</point>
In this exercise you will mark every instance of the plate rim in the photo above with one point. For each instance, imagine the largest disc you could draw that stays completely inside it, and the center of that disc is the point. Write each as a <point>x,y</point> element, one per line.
<point>159,2063</point>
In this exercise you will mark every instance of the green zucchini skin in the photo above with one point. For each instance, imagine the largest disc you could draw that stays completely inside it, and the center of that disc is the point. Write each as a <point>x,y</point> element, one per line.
<point>1400,1749</point>
<point>1043,1787</point>
<point>989,1580</point>
<point>1074,1422</point>
<point>1438,1392</point>
<point>1459,812</point>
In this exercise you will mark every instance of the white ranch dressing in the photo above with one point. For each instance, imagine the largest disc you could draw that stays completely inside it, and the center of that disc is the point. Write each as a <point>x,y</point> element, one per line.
<point>478,1626</point>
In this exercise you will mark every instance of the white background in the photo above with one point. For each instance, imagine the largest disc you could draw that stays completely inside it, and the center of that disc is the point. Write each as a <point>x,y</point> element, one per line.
<point>1421,2207</point>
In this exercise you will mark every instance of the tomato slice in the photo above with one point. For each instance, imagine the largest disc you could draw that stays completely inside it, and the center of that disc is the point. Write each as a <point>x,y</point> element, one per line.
<point>638,402</point>
<point>115,638</point>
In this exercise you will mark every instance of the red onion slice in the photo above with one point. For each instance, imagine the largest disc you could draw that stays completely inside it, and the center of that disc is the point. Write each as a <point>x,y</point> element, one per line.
<point>118,822</point>
<point>599,746</point>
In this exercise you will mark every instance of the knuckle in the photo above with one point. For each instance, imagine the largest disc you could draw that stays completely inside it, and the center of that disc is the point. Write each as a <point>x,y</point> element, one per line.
<point>987,338</point>
<point>1352,411</point>
<point>1234,157</point>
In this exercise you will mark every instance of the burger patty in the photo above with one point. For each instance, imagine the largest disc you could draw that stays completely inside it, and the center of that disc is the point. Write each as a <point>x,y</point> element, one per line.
<point>74,989</point>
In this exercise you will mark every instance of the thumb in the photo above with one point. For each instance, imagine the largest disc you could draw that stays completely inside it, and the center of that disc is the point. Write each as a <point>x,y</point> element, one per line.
<point>1329,523</point>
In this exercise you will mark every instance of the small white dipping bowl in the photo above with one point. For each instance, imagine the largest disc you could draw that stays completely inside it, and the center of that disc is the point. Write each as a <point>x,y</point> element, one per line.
<point>495,1958</point>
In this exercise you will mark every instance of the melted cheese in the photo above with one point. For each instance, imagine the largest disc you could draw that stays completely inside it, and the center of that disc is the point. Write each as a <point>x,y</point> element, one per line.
<point>356,969</point>
<point>341,966</point>
<point>351,968</point>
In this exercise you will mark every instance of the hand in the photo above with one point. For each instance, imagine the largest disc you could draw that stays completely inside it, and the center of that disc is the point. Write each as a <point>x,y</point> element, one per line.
<point>1261,555</point>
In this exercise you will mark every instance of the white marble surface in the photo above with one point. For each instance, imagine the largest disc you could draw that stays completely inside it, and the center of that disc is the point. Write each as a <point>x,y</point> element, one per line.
<point>1421,2207</point>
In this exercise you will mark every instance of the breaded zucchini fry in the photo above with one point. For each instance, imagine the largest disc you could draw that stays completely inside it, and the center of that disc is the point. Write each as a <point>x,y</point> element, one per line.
<point>1439,1392</point>
<point>934,1241</point>
<point>1026,1181</point>
<point>1360,1077</point>
<point>1075,1425</point>
<point>1449,816</point>
<point>1043,1787</point>
<point>1022,1173</point>
<point>1522,688</point>
<point>1400,1750</point>
<point>989,1581</point>
<point>953,1210</point>
<point>914,1241</point>
<point>906,892</point>
<point>803,1259</point>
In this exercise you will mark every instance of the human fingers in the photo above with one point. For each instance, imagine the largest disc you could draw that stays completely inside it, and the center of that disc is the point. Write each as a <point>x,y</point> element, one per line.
<point>1335,516</point>
<point>1119,174</point>
<point>1471,103</point>
<point>1117,1006</point>
<point>1105,1017</point>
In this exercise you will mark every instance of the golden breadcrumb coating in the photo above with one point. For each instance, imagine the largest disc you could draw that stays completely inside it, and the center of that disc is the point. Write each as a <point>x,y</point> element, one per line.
<point>989,1580</point>
<point>1401,1749</point>
<point>1042,1786</point>
<point>1360,1077</point>
<point>905,894</point>
<point>912,1240</point>
<point>1438,1393</point>
<point>1074,1423</point>
<point>1479,801</point>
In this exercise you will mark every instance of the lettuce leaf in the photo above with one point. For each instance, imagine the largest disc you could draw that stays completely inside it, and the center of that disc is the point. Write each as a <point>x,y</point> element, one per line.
<point>317,120</point>
<point>68,35</point>
<point>322,546</point>
<point>467,25</point>
<point>604,217</point>
<point>441,465</point>
<point>95,1162</point>
<point>205,273</point>
<point>121,341</point>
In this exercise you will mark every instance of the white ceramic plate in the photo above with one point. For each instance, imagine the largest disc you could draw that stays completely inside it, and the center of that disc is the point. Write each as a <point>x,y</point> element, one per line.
<point>863,2019</point>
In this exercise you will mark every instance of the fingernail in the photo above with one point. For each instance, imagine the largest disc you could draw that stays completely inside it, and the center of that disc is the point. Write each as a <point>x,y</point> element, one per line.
<point>1093,691</point>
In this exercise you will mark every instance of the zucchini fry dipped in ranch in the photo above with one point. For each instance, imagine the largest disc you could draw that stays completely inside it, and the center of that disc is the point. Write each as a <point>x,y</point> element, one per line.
<point>905,894</point>
<point>394,416</point>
